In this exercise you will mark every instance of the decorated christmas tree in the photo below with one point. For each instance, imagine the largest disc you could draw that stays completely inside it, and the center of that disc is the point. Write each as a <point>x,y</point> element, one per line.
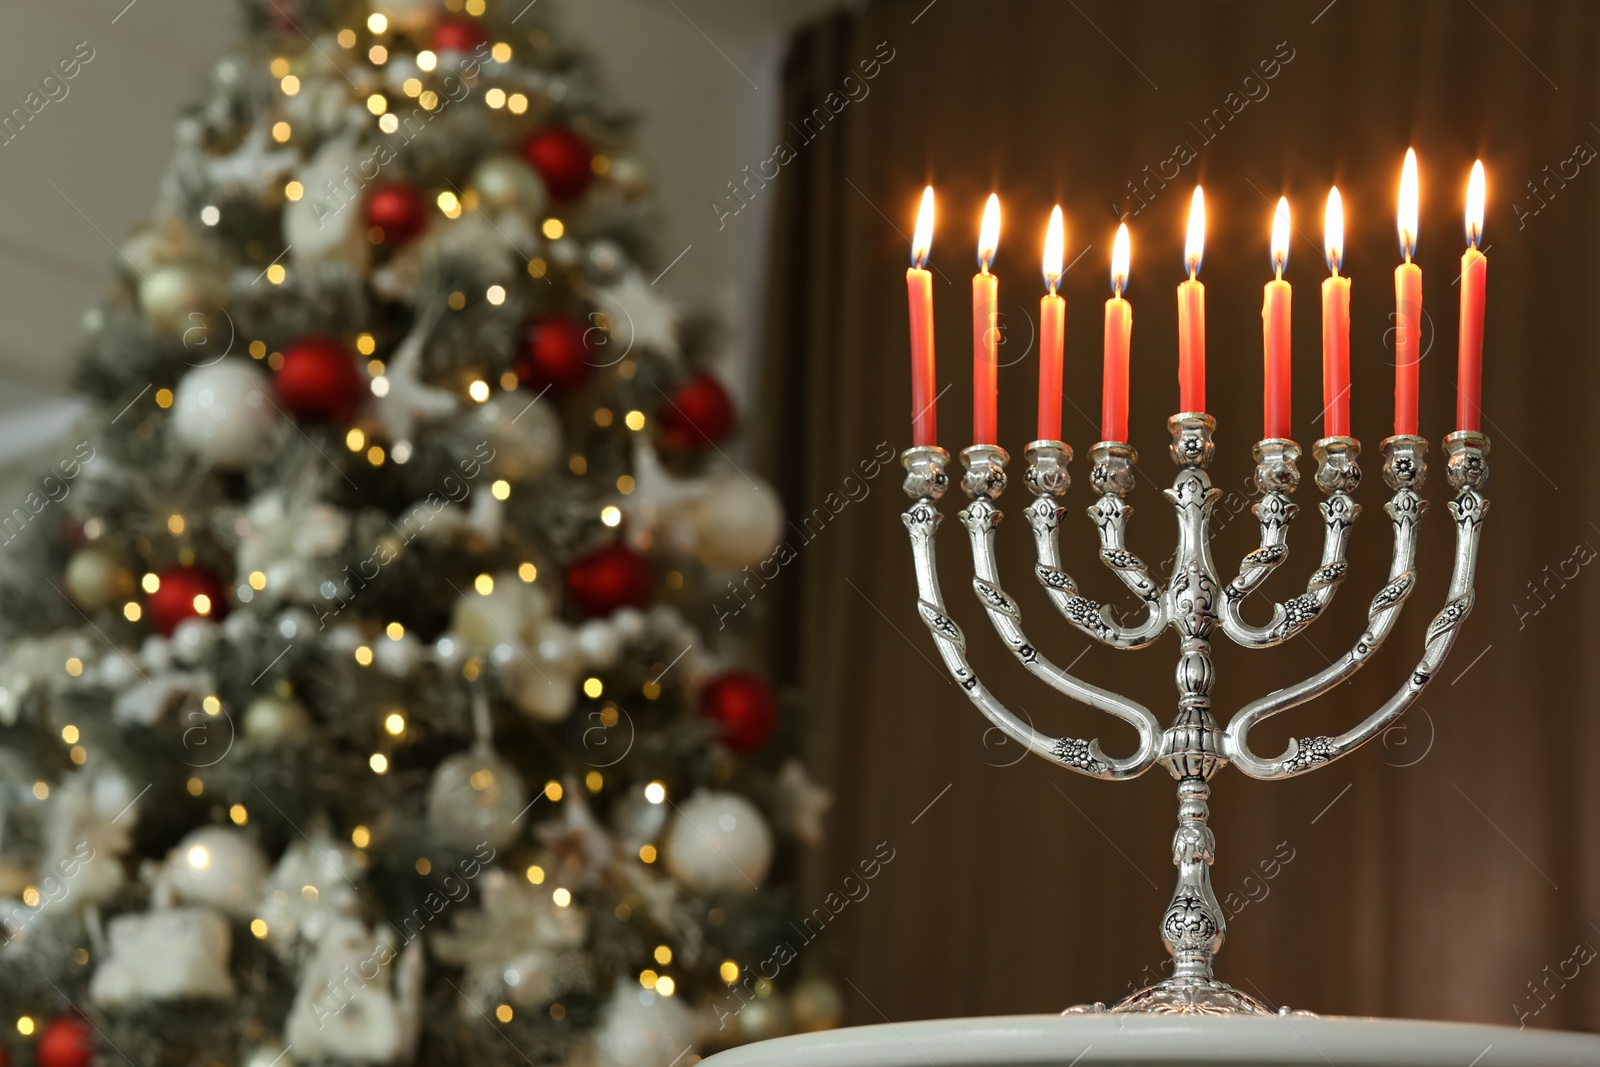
<point>365,694</point>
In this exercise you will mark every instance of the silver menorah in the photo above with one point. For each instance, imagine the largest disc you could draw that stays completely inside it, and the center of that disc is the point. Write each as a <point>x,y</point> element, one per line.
<point>1195,604</point>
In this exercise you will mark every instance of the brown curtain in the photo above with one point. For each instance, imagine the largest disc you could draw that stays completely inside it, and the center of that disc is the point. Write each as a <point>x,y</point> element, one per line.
<point>1451,870</point>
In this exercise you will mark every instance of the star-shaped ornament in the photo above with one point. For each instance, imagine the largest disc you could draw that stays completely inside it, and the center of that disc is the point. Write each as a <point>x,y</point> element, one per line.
<point>802,802</point>
<point>640,317</point>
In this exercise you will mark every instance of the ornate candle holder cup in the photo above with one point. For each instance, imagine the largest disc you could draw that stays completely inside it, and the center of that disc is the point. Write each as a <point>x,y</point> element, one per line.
<point>1196,604</point>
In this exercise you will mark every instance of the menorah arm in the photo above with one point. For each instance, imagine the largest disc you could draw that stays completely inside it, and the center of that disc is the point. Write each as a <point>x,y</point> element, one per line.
<point>1467,471</point>
<point>1276,477</point>
<point>925,482</point>
<point>1111,479</point>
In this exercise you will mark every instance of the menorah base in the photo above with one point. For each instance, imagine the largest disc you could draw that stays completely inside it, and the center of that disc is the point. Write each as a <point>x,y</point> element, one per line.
<point>1183,996</point>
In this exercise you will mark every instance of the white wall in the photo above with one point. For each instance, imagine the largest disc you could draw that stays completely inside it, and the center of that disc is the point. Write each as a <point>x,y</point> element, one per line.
<point>701,74</point>
<point>706,105</point>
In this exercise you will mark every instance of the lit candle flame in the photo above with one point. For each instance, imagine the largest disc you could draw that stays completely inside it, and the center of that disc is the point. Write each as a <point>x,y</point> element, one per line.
<point>1408,206</point>
<point>1120,255</point>
<point>1055,241</point>
<point>1194,245</point>
<point>1475,197</point>
<point>922,238</point>
<point>1333,230</point>
<point>989,233</point>
<point>1280,236</point>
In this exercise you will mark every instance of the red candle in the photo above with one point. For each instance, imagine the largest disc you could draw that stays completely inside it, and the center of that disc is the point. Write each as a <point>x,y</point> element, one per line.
<point>1052,332</point>
<point>1474,268</point>
<point>1192,313</point>
<point>1335,324</point>
<point>1408,306</point>
<point>986,330</point>
<point>919,290</point>
<point>1275,330</point>
<point>1119,332</point>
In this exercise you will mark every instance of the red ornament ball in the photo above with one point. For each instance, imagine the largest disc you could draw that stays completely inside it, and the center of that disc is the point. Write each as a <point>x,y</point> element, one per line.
<point>699,415</point>
<point>399,211</point>
<point>457,35</point>
<point>559,354</point>
<point>183,593</point>
<point>607,579</point>
<point>66,1041</point>
<point>744,708</point>
<point>563,160</point>
<point>319,381</point>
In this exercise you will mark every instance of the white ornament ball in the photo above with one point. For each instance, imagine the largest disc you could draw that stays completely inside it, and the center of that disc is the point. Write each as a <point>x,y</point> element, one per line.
<point>511,611</point>
<point>192,639</point>
<point>475,797</point>
<point>275,720</point>
<point>96,579</point>
<point>639,1028</point>
<point>527,438</point>
<point>565,252</point>
<point>738,524</point>
<point>117,672</point>
<point>156,652</point>
<point>506,182</point>
<point>407,14</point>
<point>241,627</point>
<point>397,657</point>
<point>556,646</point>
<point>639,822</point>
<point>166,293</point>
<point>219,866</point>
<point>222,413</point>
<point>543,680</point>
<point>629,622</point>
<point>599,644</point>
<point>719,843</point>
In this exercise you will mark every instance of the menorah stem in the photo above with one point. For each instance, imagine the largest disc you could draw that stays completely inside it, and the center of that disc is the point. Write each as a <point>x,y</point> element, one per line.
<point>1193,928</point>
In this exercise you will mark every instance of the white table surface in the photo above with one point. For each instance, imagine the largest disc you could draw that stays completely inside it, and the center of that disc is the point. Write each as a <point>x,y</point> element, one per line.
<point>1136,1041</point>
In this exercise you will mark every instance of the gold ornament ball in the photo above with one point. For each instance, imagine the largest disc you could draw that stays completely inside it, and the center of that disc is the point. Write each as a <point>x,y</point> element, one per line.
<point>630,175</point>
<point>96,579</point>
<point>476,796</point>
<point>166,293</point>
<point>276,720</point>
<point>507,182</point>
